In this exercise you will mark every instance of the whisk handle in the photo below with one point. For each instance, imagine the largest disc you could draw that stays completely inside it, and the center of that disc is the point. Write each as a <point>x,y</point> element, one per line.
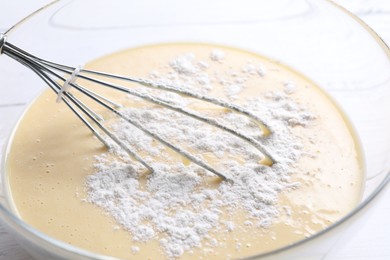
<point>3,39</point>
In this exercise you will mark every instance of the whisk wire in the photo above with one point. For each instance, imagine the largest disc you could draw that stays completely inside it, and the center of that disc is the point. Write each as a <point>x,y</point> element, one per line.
<point>46,70</point>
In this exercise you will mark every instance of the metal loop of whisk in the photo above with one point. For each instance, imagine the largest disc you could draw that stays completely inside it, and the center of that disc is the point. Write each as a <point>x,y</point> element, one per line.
<point>51,73</point>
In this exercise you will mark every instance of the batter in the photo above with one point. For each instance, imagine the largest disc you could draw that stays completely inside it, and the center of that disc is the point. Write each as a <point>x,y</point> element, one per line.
<point>53,157</point>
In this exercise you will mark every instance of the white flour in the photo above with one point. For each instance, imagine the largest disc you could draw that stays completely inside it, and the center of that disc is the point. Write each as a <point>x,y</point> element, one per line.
<point>173,205</point>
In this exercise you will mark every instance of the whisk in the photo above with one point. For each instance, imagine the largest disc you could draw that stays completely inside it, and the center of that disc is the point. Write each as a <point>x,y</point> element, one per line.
<point>60,78</point>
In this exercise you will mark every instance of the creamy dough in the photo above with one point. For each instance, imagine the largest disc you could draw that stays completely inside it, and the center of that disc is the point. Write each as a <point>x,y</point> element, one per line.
<point>52,153</point>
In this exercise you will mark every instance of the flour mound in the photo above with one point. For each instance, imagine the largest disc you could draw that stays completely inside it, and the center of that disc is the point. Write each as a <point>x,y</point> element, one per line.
<point>172,204</point>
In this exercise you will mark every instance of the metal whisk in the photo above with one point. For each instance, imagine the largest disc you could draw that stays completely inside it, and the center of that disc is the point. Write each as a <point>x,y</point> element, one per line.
<point>51,73</point>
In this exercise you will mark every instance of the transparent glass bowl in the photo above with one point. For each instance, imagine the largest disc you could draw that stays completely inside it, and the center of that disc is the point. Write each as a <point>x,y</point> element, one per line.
<point>317,38</point>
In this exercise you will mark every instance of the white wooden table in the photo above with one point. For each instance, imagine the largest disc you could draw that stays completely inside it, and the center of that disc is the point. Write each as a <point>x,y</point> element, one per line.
<point>372,242</point>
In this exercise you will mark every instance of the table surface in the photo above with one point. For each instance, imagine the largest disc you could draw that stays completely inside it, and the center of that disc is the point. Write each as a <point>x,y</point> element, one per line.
<point>372,241</point>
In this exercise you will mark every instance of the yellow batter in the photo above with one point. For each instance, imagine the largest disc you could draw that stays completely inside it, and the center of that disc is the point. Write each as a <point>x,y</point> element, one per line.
<point>52,153</point>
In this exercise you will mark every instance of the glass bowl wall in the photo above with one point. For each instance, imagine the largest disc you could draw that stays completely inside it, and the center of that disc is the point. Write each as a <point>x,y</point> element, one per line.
<point>317,38</point>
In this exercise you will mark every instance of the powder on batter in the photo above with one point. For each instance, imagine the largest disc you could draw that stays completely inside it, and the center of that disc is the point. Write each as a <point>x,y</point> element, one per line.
<point>174,205</point>
<point>217,55</point>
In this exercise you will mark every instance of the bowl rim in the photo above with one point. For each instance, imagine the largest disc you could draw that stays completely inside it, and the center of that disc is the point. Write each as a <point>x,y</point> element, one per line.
<point>6,214</point>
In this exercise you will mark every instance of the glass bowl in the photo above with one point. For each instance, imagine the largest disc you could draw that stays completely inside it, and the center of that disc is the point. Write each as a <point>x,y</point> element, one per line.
<point>321,40</point>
